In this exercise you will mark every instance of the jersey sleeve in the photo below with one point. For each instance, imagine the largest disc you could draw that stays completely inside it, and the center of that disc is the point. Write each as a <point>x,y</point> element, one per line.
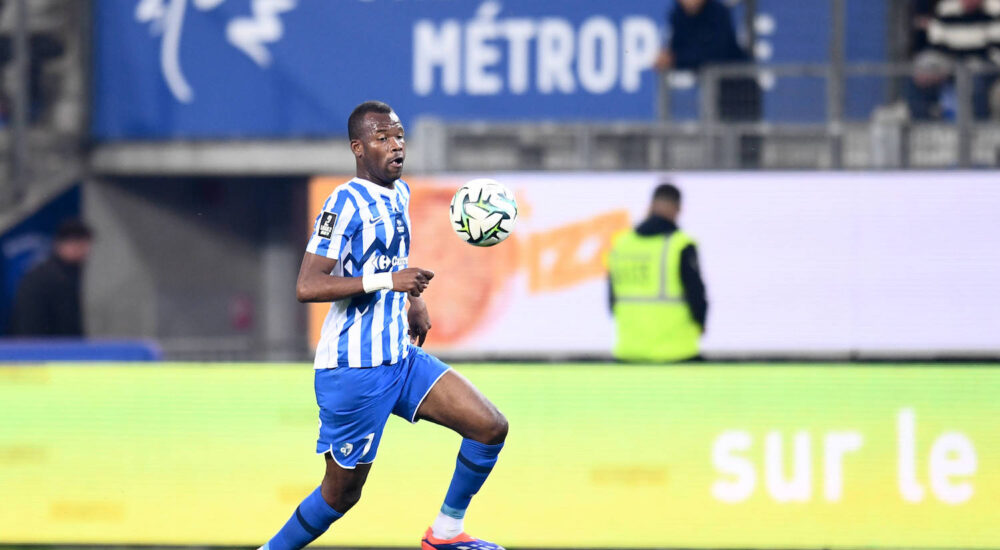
<point>334,226</point>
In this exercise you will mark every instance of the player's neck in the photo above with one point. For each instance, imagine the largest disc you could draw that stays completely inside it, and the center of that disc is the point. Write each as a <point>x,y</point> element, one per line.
<point>361,174</point>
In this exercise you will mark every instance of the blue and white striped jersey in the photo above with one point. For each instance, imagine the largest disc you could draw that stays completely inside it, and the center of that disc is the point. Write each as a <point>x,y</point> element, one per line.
<point>366,228</point>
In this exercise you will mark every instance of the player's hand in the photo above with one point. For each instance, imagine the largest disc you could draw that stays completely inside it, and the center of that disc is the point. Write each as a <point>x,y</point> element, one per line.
<point>412,280</point>
<point>420,321</point>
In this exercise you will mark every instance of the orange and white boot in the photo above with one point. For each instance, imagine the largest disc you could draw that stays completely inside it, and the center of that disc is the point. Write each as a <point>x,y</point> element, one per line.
<point>461,541</point>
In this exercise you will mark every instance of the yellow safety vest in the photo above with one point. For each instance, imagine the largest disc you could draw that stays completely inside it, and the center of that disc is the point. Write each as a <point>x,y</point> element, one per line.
<point>652,321</point>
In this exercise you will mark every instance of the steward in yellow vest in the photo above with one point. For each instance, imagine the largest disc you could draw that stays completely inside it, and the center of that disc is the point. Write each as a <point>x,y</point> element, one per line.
<point>657,295</point>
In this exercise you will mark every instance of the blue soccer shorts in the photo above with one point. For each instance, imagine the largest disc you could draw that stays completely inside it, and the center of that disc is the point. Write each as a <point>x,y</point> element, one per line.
<point>354,404</point>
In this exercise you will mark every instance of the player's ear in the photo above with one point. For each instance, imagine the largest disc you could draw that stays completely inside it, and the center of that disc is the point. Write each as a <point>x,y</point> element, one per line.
<point>357,147</point>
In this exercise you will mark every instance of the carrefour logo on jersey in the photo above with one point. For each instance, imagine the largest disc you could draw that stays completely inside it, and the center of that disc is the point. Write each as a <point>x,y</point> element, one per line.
<point>384,263</point>
<point>489,54</point>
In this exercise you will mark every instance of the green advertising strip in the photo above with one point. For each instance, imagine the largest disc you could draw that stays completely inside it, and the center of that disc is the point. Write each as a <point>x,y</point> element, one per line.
<point>598,456</point>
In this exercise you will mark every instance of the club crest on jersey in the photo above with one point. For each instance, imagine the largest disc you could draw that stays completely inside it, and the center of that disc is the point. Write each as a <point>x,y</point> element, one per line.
<point>346,449</point>
<point>400,228</point>
<point>326,224</point>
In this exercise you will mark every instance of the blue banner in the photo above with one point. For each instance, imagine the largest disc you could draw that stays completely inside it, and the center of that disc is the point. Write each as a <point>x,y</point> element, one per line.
<point>296,68</point>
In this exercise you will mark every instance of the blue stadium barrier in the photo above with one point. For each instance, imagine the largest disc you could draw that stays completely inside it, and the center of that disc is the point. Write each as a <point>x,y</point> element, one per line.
<point>71,349</point>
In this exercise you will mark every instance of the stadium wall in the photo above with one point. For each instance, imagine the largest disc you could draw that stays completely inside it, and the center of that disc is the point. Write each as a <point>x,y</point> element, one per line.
<point>603,456</point>
<point>205,265</point>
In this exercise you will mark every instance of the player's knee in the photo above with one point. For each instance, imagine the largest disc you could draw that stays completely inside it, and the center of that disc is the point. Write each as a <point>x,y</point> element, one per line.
<point>341,498</point>
<point>497,431</point>
<point>349,498</point>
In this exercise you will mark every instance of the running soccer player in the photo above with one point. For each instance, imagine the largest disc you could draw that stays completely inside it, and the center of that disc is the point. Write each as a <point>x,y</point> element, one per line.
<point>368,361</point>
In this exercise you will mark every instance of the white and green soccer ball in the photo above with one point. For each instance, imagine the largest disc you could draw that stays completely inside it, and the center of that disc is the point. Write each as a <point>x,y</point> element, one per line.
<point>483,212</point>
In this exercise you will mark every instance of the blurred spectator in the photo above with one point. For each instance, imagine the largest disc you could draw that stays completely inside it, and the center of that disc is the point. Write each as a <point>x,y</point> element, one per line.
<point>47,302</point>
<point>702,33</point>
<point>657,295</point>
<point>953,31</point>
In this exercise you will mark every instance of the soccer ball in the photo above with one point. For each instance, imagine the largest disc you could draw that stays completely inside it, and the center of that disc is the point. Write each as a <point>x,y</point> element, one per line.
<point>483,212</point>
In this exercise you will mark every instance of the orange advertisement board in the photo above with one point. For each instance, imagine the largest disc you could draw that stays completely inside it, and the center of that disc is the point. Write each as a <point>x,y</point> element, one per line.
<point>473,286</point>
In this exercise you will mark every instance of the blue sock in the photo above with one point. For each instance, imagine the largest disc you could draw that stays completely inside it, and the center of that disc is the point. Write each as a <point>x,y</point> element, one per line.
<point>474,464</point>
<point>311,519</point>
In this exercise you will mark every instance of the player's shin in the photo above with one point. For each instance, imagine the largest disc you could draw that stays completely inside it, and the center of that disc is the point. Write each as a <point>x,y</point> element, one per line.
<point>474,464</point>
<point>311,519</point>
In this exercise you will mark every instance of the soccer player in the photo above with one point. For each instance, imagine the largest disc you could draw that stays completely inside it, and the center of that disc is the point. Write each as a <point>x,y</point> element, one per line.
<point>368,361</point>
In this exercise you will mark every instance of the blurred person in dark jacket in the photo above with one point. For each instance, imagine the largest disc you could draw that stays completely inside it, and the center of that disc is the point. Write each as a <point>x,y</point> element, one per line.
<point>954,31</point>
<point>921,13</point>
<point>702,33</point>
<point>47,302</point>
<point>656,292</point>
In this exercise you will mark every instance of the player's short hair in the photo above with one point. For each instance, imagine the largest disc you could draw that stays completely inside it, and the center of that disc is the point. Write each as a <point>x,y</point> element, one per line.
<point>667,192</point>
<point>355,126</point>
<point>71,230</point>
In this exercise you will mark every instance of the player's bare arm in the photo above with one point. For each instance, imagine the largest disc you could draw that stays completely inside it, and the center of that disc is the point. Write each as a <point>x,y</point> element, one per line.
<point>315,284</point>
<point>419,319</point>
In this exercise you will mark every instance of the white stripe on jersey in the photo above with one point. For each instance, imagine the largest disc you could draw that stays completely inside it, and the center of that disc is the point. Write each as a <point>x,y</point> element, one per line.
<point>398,331</point>
<point>394,327</point>
<point>337,311</point>
<point>378,319</point>
<point>354,341</point>
<point>378,323</point>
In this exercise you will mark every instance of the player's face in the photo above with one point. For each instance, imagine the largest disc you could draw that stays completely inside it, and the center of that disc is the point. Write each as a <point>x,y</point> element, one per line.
<point>383,148</point>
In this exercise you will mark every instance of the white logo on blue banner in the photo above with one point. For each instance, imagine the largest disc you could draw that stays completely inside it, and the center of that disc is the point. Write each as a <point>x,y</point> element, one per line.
<point>248,34</point>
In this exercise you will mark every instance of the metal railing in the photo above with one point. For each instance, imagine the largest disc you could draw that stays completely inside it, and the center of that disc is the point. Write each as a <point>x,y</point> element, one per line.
<point>859,120</point>
<point>42,135</point>
<point>887,133</point>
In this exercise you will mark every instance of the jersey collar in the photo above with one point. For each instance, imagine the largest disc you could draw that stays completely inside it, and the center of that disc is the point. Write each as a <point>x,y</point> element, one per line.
<point>373,187</point>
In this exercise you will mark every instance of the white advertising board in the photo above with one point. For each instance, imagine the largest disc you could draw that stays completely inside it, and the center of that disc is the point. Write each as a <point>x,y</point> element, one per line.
<point>794,263</point>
